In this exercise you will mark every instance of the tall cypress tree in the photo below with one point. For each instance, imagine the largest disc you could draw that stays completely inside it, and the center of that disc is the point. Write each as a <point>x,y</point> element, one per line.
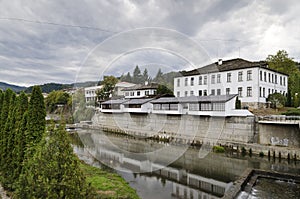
<point>3,119</point>
<point>36,120</point>
<point>54,171</point>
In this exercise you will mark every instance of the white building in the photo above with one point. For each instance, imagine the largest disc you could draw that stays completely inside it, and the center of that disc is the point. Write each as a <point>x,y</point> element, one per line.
<point>252,81</point>
<point>90,93</point>
<point>141,91</point>
<point>120,86</point>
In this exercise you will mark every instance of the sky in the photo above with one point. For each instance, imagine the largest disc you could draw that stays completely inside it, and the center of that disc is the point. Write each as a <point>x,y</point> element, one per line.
<point>71,41</point>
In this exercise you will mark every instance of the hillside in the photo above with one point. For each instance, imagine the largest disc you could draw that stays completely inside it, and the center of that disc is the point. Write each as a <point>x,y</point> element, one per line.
<point>15,88</point>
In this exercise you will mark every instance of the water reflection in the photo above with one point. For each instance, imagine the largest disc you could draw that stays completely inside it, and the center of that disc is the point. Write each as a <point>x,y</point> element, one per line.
<point>187,177</point>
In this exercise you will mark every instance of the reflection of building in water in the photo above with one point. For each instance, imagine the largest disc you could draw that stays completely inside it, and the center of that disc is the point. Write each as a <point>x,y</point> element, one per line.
<point>185,183</point>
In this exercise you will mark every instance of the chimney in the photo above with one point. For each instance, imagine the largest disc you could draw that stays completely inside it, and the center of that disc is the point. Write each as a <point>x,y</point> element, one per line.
<point>220,62</point>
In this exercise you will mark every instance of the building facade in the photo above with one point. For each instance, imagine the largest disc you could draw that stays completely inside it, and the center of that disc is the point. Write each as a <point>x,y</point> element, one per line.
<point>140,91</point>
<point>253,82</point>
<point>90,93</point>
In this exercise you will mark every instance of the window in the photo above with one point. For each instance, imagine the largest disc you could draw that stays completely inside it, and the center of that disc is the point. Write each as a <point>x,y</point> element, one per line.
<point>269,92</point>
<point>205,80</point>
<point>249,75</point>
<point>265,76</point>
<point>275,79</point>
<point>213,79</point>
<point>205,106</point>
<point>200,92</point>
<point>126,93</point>
<point>200,80</point>
<point>185,93</point>
<point>240,91</point>
<point>147,92</point>
<point>283,81</point>
<point>260,75</point>
<point>240,76</point>
<point>280,80</point>
<point>178,82</point>
<point>192,81</point>
<point>218,91</point>
<point>218,106</point>
<point>173,106</point>
<point>249,91</point>
<point>219,78</point>
<point>269,77</point>
<point>260,93</point>
<point>138,93</point>
<point>178,93</point>
<point>194,107</point>
<point>157,106</point>
<point>165,107</point>
<point>272,78</point>
<point>191,93</point>
<point>131,93</point>
<point>186,81</point>
<point>264,92</point>
<point>227,91</point>
<point>212,92</point>
<point>205,92</point>
<point>228,77</point>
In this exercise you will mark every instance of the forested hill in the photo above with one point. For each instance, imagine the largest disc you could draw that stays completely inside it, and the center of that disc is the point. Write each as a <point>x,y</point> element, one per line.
<point>15,88</point>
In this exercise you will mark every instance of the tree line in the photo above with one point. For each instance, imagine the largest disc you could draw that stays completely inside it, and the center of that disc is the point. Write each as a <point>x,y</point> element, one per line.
<point>36,161</point>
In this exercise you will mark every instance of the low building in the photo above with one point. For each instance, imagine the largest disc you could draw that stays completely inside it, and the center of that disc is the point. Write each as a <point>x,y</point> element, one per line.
<point>143,105</point>
<point>120,86</point>
<point>222,105</point>
<point>141,91</point>
<point>252,81</point>
<point>113,106</point>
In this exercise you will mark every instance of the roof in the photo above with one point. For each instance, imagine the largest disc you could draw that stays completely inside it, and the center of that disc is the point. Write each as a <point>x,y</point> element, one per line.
<point>194,99</point>
<point>93,88</point>
<point>227,65</point>
<point>142,87</point>
<point>116,101</point>
<point>138,101</point>
<point>125,84</point>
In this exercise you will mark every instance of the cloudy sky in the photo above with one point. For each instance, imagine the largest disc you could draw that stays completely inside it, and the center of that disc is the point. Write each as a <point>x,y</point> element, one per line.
<point>68,41</point>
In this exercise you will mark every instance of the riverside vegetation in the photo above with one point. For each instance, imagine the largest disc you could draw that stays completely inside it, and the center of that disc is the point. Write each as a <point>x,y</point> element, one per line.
<point>38,161</point>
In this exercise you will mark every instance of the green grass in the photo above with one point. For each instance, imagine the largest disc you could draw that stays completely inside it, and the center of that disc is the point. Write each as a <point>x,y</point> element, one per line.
<point>108,184</point>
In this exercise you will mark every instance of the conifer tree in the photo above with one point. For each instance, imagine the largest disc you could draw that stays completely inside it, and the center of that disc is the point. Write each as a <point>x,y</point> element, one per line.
<point>36,120</point>
<point>54,171</point>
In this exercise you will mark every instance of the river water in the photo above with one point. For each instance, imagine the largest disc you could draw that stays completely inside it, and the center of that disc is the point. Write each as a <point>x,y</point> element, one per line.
<point>160,170</point>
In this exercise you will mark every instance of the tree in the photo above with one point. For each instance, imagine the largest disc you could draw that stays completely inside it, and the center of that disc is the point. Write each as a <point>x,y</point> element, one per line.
<point>54,171</point>
<point>36,123</point>
<point>137,76</point>
<point>283,63</point>
<point>106,91</point>
<point>159,77</point>
<point>145,75</point>
<point>238,104</point>
<point>162,89</point>
<point>277,100</point>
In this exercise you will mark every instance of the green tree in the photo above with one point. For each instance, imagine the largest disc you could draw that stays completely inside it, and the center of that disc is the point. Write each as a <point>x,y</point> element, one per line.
<point>283,63</point>
<point>277,100</point>
<point>54,171</point>
<point>162,89</point>
<point>145,75</point>
<point>57,98</point>
<point>159,77</point>
<point>137,76</point>
<point>36,123</point>
<point>106,91</point>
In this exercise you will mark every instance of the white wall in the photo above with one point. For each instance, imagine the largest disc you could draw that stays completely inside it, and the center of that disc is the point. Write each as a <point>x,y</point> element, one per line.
<point>254,83</point>
<point>128,94</point>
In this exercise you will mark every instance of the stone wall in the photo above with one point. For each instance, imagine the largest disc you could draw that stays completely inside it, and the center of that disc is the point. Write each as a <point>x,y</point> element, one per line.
<point>203,129</point>
<point>279,134</point>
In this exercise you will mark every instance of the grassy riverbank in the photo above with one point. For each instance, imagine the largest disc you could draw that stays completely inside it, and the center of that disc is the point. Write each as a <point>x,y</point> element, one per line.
<point>108,184</point>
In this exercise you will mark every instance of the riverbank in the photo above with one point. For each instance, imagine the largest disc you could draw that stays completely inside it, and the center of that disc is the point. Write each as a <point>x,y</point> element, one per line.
<point>108,184</point>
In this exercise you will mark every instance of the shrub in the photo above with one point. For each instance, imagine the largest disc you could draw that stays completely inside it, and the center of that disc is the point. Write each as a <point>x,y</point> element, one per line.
<point>261,154</point>
<point>218,149</point>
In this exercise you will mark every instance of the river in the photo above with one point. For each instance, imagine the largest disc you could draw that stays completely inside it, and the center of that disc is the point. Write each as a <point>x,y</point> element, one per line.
<point>162,170</point>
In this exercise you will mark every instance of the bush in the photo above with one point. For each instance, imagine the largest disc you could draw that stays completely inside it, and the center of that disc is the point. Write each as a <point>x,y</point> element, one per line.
<point>244,151</point>
<point>218,149</point>
<point>292,112</point>
<point>261,154</point>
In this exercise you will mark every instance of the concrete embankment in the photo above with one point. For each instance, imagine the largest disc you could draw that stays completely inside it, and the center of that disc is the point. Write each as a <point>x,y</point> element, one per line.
<point>234,132</point>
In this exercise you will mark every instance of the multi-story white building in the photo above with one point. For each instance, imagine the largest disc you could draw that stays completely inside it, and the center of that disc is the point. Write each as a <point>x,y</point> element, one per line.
<point>252,81</point>
<point>90,93</point>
